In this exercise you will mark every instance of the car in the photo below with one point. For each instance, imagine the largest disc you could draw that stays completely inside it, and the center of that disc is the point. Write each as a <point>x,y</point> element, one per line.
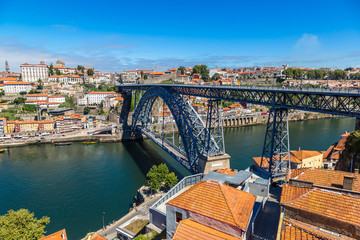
<point>42,138</point>
<point>63,135</point>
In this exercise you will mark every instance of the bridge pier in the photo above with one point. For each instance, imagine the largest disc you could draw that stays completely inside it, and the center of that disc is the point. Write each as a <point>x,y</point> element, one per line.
<point>357,124</point>
<point>213,163</point>
<point>276,151</point>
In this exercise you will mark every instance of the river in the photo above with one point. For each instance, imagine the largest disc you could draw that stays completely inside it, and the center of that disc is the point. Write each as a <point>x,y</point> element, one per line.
<point>75,184</point>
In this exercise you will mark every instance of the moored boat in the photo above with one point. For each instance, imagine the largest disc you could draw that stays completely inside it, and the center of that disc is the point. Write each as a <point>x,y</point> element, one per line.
<point>62,143</point>
<point>89,142</point>
<point>3,150</point>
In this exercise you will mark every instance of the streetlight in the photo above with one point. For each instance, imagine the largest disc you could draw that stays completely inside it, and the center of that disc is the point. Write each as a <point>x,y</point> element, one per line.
<point>103,220</point>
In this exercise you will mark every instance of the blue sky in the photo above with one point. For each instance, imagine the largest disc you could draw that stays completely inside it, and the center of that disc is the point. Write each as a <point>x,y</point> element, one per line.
<point>113,35</point>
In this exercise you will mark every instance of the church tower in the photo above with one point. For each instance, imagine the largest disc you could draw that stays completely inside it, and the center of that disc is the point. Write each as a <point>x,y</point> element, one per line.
<point>7,69</point>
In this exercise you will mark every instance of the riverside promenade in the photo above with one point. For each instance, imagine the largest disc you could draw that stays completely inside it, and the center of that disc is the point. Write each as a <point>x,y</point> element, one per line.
<point>141,211</point>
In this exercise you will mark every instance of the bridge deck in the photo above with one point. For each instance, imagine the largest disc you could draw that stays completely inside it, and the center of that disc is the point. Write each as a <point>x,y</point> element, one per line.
<point>341,102</point>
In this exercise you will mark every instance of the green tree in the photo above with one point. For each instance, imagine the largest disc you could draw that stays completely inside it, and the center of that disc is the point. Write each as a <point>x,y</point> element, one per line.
<point>182,70</point>
<point>80,68</point>
<point>145,77</point>
<point>288,73</point>
<point>58,72</point>
<point>86,110</point>
<point>153,178</point>
<point>352,143</point>
<point>170,180</point>
<point>29,108</point>
<point>2,93</point>
<point>215,77</point>
<point>348,69</point>
<point>51,69</point>
<point>32,91</point>
<point>23,92</point>
<point>163,170</point>
<point>22,224</point>
<point>203,71</point>
<point>90,72</point>
<point>19,100</point>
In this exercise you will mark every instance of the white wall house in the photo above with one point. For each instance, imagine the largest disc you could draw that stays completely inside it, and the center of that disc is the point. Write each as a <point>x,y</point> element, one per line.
<point>56,98</point>
<point>16,87</point>
<point>66,79</point>
<point>34,72</point>
<point>37,97</point>
<point>97,97</point>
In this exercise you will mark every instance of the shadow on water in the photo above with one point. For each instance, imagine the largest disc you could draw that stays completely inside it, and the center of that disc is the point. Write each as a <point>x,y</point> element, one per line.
<point>145,156</point>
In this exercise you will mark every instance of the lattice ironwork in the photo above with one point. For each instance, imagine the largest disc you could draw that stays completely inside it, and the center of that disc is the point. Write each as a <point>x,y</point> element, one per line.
<point>276,151</point>
<point>331,102</point>
<point>192,129</point>
<point>214,126</point>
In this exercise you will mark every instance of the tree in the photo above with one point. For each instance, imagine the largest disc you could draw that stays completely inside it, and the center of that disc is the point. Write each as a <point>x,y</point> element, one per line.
<point>203,71</point>
<point>29,108</point>
<point>288,73</point>
<point>163,170</point>
<point>51,69</point>
<point>170,180</point>
<point>348,69</point>
<point>80,68</point>
<point>145,77</point>
<point>58,72</point>
<point>32,91</point>
<point>23,92</point>
<point>2,93</point>
<point>215,77</point>
<point>19,100</point>
<point>90,72</point>
<point>182,70</point>
<point>86,110</point>
<point>22,224</point>
<point>153,178</point>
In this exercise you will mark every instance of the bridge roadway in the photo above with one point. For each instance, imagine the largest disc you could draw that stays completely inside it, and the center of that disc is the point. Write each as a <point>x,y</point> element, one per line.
<point>337,102</point>
<point>171,149</point>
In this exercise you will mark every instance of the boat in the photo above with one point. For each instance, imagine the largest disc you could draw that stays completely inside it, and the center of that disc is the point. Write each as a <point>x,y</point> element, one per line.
<point>89,142</point>
<point>3,150</point>
<point>62,143</point>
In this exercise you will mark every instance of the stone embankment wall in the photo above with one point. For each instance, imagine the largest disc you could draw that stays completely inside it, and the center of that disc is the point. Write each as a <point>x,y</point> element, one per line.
<point>262,119</point>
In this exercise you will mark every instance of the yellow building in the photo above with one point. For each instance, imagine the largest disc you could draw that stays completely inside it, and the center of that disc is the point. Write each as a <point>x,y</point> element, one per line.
<point>298,159</point>
<point>46,125</point>
<point>306,159</point>
<point>11,126</point>
<point>27,126</point>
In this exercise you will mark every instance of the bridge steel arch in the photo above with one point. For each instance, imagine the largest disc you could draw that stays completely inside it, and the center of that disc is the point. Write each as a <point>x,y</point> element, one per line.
<point>194,134</point>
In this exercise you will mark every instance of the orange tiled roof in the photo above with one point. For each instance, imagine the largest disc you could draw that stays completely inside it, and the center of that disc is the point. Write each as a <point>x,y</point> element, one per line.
<point>102,93</point>
<point>341,144</point>
<point>226,171</point>
<point>296,230</point>
<point>8,79</point>
<point>98,237</point>
<point>188,229</point>
<point>217,201</point>
<point>325,177</point>
<point>56,236</point>
<point>295,156</point>
<point>290,193</point>
<point>17,83</point>
<point>331,205</point>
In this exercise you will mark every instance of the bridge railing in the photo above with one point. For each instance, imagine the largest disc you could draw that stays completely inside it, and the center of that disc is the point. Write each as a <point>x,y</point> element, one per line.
<point>288,88</point>
<point>186,181</point>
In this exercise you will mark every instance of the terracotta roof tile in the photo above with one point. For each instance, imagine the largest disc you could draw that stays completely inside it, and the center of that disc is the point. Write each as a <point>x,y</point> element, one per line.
<point>56,236</point>
<point>188,229</point>
<point>98,237</point>
<point>217,201</point>
<point>331,205</point>
<point>226,171</point>
<point>325,177</point>
<point>296,230</point>
<point>290,193</point>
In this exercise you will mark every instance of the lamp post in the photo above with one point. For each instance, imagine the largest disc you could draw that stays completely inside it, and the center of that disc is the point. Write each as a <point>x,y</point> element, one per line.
<point>103,215</point>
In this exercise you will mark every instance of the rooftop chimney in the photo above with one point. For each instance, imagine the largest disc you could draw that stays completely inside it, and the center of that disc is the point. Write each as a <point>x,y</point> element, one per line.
<point>348,182</point>
<point>356,170</point>
<point>62,235</point>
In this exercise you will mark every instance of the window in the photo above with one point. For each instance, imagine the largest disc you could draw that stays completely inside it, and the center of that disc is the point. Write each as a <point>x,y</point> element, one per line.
<point>178,216</point>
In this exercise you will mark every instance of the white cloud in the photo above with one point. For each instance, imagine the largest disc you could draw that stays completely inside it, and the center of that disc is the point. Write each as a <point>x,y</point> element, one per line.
<point>307,42</point>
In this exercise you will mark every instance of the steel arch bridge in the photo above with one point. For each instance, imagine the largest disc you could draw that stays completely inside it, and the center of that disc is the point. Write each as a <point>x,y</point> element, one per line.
<point>276,149</point>
<point>195,136</point>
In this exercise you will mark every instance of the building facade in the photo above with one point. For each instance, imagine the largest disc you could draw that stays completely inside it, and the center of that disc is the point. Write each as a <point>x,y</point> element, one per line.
<point>34,72</point>
<point>16,87</point>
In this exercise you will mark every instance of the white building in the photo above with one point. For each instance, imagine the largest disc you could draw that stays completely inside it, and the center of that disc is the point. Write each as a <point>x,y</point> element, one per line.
<point>97,97</point>
<point>34,72</point>
<point>44,100</point>
<point>129,76</point>
<point>66,79</point>
<point>56,98</point>
<point>16,87</point>
<point>37,97</point>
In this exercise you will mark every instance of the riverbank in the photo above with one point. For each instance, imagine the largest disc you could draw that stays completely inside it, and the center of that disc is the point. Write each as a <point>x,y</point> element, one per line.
<point>228,122</point>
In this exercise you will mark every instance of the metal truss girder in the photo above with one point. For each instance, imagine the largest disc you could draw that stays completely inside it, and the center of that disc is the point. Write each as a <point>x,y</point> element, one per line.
<point>276,151</point>
<point>191,128</point>
<point>338,103</point>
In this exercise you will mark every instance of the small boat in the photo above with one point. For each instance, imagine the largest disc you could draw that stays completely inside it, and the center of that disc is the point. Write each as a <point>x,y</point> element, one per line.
<point>89,142</point>
<point>3,150</point>
<point>62,143</point>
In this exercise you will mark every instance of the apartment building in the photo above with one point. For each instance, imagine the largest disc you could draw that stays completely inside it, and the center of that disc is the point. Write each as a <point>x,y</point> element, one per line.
<point>15,87</point>
<point>98,97</point>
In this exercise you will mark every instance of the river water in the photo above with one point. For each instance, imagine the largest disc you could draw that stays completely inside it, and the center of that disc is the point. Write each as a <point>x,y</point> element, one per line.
<point>75,184</point>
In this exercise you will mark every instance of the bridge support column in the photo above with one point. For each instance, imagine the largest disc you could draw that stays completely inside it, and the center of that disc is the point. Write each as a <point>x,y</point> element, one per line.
<point>212,163</point>
<point>357,124</point>
<point>276,151</point>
